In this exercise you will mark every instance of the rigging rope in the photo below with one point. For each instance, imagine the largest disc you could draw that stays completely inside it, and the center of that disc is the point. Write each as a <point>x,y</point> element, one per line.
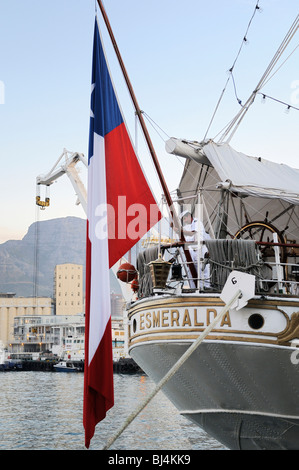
<point>153,124</point>
<point>232,127</point>
<point>278,101</point>
<point>281,65</point>
<point>244,40</point>
<point>36,258</point>
<point>265,78</point>
<point>35,254</point>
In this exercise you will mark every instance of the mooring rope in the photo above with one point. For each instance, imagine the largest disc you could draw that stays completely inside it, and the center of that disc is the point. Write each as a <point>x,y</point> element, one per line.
<point>174,369</point>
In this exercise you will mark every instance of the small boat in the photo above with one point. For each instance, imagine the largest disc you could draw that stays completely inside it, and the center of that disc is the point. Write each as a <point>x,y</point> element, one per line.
<point>64,366</point>
<point>4,364</point>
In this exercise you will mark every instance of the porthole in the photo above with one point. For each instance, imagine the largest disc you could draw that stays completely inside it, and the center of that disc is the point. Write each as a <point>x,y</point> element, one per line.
<point>256,321</point>
<point>134,325</point>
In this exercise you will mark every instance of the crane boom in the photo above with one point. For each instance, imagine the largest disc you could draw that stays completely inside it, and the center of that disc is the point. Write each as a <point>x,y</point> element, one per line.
<point>68,167</point>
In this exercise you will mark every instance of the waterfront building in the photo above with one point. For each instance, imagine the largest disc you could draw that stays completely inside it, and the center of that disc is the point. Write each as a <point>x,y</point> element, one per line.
<point>35,335</point>
<point>12,306</point>
<point>117,305</point>
<point>68,289</point>
<point>118,339</point>
<point>39,336</point>
<point>32,326</point>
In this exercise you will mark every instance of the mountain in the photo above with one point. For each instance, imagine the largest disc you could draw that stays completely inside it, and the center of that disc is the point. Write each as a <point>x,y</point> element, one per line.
<point>27,265</point>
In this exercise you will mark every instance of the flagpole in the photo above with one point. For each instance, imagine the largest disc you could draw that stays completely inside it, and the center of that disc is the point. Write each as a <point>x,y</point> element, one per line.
<point>147,136</point>
<point>137,108</point>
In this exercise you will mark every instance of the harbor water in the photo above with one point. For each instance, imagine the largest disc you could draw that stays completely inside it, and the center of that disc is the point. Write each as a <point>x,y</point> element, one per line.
<point>43,411</point>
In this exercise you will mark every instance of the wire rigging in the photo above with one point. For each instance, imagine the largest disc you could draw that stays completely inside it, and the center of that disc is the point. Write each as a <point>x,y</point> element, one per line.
<point>244,41</point>
<point>289,106</point>
<point>213,201</point>
<point>36,255</point>
<point>268,74</point>
<point>232,127</point>
<point>271,76</point>
<point>153,124</point>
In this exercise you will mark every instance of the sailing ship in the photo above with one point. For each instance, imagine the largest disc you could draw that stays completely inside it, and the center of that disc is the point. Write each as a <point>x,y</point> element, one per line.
<point>241,385</point>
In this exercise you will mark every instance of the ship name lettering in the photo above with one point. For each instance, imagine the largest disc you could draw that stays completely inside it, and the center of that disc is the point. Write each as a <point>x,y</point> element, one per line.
<point>165,318</point>
<point>196,323</point>
<point>148,320</point>
<point>156,319</point>
<point>174,317</point>
<point>170,318</point>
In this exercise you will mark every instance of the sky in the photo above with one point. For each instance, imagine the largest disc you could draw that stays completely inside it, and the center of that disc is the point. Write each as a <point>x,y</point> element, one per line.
<point>177,55</point>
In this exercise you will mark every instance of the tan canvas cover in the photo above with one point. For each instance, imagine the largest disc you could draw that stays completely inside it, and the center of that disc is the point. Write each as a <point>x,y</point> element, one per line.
<point>260,190</point>
<point>252,175</point>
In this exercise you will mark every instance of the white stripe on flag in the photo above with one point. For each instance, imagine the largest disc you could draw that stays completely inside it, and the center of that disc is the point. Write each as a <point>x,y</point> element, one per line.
<point>100,307</point>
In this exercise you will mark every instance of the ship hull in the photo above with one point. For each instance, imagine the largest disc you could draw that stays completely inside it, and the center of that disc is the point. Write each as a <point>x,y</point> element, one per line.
<point>241,385</point>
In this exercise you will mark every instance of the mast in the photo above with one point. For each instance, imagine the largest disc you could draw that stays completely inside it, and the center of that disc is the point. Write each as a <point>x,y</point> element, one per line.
<point>138,110</point>
<point>147,137</point>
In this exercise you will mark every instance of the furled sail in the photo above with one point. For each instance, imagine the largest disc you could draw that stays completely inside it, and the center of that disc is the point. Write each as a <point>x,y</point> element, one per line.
<point>239,189</point>
<point>253,175</point>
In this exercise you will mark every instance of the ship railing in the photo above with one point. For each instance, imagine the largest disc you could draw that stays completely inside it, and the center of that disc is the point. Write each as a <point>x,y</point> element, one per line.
<point>264,285</point>
<point>287,282</point>
<point>272,277</point>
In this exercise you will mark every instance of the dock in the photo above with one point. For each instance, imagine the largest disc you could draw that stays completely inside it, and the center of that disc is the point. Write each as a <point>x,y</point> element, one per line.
<point>122,366</point>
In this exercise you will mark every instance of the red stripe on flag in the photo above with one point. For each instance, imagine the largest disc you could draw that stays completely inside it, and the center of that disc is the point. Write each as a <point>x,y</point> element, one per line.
<point>136,211</point>
<point>132,211</point>
<point>98,375</point>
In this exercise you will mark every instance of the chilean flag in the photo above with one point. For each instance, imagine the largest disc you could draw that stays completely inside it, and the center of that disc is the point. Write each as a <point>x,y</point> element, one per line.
<point>120,210</point>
